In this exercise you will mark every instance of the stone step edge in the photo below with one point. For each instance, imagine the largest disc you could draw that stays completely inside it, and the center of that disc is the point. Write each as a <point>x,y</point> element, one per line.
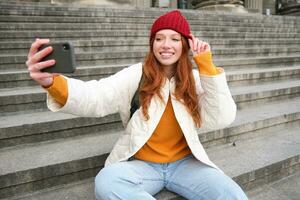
<point>90,56</point>
<point>234,129</point>
<point>144,42</point>
<point>90,8</point>
<point>19,81</point>
<point>259,92</point>
<point>114,27</point>
<point>143,10</point>
<point>121,21</point>
<point>221,50</point>
<point>227,63</point>
<point>215,135</point>
<point>231,74</point>
<point>164,194</point>
<point>248,180</point>
<point>31,95</point>
<point>51,173</point>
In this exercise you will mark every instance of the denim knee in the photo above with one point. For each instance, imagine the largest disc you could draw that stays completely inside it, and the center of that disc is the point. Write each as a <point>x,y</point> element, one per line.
<point>103,184</point>
<point>100,186</point>
<point>226,189</point>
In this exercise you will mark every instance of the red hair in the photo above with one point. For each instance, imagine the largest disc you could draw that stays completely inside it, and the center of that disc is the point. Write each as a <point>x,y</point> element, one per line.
<point>153,77</point>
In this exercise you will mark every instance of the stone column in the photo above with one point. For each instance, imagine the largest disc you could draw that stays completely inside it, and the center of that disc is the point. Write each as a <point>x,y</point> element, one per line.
<point>289,7</point>
<point>109,3</point>
<point>254,5</point>
<point>112,3</point>
<point>236,6</point>
<point>271,5</point>
<point>166,3</point>
<point>141,3</point>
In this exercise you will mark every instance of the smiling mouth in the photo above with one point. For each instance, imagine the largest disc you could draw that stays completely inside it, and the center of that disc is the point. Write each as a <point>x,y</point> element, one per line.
<point>166,54</point>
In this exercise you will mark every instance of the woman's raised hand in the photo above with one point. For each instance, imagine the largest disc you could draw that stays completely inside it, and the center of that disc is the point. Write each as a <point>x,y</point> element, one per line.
<point>198,46</point>
<point>35,65</point>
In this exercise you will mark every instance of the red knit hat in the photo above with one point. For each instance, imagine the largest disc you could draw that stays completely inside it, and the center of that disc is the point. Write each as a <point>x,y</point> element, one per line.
<point>172,20</point>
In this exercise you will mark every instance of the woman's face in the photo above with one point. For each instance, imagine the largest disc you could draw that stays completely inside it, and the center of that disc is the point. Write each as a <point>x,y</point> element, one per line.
<point>167,47</point>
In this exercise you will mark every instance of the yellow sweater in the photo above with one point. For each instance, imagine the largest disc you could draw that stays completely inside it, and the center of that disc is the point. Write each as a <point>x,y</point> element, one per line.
<point>167,143</point>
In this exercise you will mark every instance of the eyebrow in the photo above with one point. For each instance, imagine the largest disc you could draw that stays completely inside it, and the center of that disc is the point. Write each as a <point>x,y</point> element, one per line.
<point>175,34</point>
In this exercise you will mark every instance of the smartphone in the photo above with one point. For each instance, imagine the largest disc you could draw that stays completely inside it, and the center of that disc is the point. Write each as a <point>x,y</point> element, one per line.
<point>64,56</point>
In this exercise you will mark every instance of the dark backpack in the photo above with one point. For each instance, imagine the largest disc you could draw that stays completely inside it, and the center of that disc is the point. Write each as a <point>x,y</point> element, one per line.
<point>135,101</point>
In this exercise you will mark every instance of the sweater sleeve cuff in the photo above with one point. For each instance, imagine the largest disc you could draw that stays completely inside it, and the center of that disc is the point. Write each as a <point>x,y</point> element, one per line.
<point>59,90</point>
<point>205,64</point>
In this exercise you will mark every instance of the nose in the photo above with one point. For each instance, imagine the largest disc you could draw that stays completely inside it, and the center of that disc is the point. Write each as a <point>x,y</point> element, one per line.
<point>166,44</point>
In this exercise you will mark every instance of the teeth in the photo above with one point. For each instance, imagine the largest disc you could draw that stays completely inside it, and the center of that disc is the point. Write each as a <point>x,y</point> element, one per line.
<point>166,54</point>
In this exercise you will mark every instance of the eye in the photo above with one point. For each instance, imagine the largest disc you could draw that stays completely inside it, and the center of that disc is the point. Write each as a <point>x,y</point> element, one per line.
<point>157,39</point>
<point>176,39</point>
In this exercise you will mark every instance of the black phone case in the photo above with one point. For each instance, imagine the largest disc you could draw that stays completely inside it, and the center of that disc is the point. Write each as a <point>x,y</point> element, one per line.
<point>64,55</point>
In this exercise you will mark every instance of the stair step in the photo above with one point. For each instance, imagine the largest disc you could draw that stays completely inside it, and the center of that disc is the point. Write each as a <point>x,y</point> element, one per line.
<point>125,34</point>
<point>265,92</point>
<point>20,78</point>
<point>122,57</point>
<point>53,163</point>
<point>56,155</point>
<point>22,47</point>
<point>40,126</point>
<point>236,77</point>
<point>208,21</point>
<point>95,10</point>
<point>257,62</point>
<point>260,167</point>
<point>35,126</point>
<point>46,26</point>
<point>254,118</point>
<point>30,98</point>
<point>287,188</point>
<point>251,162</point>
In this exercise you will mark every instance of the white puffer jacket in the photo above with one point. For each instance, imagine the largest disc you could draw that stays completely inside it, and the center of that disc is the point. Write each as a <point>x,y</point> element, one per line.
<point>114,94</point>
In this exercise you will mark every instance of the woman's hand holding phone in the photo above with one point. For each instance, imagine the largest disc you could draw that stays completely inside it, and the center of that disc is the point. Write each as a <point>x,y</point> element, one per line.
<point>35,65</point>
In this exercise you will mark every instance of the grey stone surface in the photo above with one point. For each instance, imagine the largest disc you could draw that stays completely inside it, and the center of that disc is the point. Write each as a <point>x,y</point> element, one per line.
<point>287,188</point>
<point>50,153</point>
<point>37,126</point>
<point>253,118</point>
<point>247,155</point>
<point>270,147</point>
<point>30,98</point>
<point>260,55</point>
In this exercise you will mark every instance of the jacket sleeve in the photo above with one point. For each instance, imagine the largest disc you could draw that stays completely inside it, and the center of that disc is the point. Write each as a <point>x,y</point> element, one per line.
<point>58,90</point>
<point>216,104</point>
<point>98,98</point>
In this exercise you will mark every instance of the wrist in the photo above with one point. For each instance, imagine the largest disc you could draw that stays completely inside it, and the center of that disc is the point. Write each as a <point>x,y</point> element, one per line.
<point>47,82</point>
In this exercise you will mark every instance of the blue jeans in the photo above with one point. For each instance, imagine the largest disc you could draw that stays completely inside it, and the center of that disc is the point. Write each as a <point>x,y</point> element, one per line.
<point>188,177</point>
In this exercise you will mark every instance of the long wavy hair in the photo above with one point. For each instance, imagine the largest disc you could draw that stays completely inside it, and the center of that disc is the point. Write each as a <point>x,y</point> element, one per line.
<point>153,78</point>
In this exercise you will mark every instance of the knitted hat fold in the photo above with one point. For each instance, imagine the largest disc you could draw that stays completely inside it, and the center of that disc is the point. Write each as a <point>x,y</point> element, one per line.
<point>172,20</point>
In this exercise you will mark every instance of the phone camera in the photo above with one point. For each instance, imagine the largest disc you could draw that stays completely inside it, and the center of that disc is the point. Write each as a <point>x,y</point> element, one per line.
<point>66,47</point>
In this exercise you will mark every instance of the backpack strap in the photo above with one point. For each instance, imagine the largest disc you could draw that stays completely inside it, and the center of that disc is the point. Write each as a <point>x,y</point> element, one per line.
<point>135,101</point>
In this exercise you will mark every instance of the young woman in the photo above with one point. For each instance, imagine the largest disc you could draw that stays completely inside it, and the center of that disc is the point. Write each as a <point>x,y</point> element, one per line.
<point>160,147</point>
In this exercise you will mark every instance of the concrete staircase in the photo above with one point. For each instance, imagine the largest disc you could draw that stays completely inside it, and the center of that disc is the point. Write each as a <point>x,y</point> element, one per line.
<point>46,155</point>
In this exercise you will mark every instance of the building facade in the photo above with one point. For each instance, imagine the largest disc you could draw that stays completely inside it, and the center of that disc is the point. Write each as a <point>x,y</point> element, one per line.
<point>268,7</point>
